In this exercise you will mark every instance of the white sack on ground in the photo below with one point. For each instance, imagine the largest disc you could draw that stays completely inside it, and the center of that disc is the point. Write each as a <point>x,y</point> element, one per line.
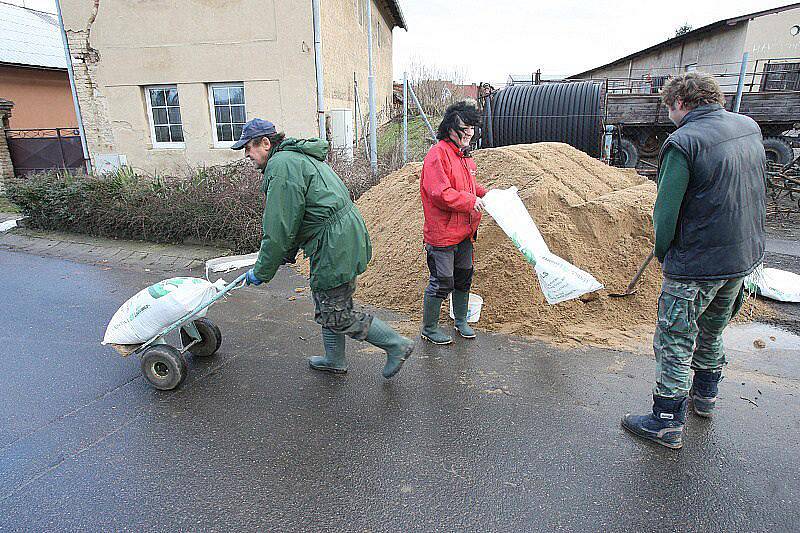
<point>230,262</point>
<point>774,284</point>
<point>560,280</point>
<point>153,309</point>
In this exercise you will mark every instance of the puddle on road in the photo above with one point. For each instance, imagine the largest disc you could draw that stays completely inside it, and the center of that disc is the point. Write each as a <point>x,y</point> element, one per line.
<point>756,337</point>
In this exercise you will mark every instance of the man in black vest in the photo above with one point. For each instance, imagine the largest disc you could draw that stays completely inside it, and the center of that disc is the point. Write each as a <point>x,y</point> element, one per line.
<point>709,234</point>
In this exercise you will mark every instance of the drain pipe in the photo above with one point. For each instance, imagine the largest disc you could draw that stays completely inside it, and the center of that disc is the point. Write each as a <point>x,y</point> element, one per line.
<point>373,120</point>
<point>75,103</point>
<point>318,65</point>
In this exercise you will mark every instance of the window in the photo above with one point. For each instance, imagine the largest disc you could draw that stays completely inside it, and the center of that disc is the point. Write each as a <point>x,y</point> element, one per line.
<point>226,101</point>
<point>164,112</point>
<point>378,32</point>
<point>781,77</point>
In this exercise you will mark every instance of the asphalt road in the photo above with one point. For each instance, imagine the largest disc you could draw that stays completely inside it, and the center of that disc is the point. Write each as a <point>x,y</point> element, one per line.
<point>499,434</point>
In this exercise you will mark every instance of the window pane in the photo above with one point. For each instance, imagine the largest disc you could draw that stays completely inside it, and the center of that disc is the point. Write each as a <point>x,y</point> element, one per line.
<point>177,134</point>
<point>237,95</point>
<point>162,134</point>
<point>237,131</point>
<point>223,115</point>
<point>220,95</point>
<point>227,133</point>
<point>174,115</point>
<point>157,97</point>
<point>172,97</point>
<point>160,115</point>
<point>237,114</point>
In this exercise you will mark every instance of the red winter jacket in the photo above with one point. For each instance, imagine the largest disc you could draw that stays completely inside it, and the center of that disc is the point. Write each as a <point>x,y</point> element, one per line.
<point>448,189</point>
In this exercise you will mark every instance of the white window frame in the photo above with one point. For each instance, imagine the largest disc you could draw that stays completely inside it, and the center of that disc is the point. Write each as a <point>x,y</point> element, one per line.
<point>151,120</point>
<point>213,114</point>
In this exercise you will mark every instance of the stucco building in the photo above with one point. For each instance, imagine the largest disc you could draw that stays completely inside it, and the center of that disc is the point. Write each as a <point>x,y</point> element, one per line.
<point>166,84</point>
<point>771,38</point>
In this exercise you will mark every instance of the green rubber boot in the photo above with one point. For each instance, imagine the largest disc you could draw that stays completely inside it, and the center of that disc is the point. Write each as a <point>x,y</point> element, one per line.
<point>397,347</point>
<point>334,360</point>
<point>431,308</point>
<point>460,307</point>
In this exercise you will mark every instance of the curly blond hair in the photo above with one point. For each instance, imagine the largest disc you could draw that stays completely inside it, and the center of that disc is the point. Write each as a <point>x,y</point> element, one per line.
<point>693,89</point>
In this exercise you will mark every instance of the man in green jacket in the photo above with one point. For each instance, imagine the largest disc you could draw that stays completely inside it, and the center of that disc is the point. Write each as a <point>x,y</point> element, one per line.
<point>309,207</point>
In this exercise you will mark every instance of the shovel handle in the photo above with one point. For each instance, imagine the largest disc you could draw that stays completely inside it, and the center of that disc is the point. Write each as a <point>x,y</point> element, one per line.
<point>638,275</point>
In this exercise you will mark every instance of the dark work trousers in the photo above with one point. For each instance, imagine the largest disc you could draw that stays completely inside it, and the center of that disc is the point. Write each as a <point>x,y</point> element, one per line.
<point>451,268</point>
<point>334,310</point>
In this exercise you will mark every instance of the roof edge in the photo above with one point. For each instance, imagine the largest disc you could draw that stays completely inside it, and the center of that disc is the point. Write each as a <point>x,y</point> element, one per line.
<point>694,33</point>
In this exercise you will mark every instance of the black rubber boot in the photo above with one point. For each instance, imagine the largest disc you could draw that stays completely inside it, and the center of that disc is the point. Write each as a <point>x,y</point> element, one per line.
<point>334,360</point>
<point>664,425</point>
<point>704,391</point>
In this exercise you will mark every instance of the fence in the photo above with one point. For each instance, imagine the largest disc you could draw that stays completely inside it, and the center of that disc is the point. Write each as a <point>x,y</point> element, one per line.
<point>35,150</point>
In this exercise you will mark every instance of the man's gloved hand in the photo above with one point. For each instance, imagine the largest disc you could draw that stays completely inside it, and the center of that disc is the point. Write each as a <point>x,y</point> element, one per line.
<point>479,204</point>
<point>251,278</point>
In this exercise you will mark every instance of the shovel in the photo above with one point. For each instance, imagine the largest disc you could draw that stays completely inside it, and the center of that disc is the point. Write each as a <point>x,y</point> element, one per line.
<point>632,285</point>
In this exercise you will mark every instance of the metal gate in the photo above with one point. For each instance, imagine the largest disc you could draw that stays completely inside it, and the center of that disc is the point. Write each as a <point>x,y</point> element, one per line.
<point>45,149</point>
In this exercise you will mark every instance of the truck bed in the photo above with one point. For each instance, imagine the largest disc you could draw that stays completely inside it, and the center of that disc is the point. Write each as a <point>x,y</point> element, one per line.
<point>773,107</point>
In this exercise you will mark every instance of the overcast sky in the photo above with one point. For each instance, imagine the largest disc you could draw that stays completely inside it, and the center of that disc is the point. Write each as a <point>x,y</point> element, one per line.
<point>489,39</point>
<point>486,40</point>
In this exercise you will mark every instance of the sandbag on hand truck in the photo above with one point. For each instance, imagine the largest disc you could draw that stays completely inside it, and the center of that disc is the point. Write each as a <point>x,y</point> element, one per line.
<point>141,324</point>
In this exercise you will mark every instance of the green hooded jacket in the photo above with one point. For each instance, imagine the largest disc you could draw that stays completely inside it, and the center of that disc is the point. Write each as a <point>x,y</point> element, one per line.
<point>309,207</point>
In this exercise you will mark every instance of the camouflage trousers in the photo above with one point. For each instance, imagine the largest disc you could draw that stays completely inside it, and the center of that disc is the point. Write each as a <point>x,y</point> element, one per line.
<point>691,318</point>
<point>334,311</point>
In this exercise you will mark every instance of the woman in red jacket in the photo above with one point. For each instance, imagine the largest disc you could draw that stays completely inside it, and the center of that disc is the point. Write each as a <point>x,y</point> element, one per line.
<point>451,201</point>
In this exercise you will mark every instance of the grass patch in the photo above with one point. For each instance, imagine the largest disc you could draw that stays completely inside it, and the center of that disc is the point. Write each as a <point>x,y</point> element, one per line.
<point>390,138</point>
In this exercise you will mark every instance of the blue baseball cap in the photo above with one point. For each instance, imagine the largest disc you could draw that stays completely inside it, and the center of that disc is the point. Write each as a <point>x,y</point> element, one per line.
<point>257,127</point>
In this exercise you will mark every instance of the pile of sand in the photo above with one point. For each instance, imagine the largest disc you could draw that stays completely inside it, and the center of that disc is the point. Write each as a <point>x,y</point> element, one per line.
<point>594,216</point>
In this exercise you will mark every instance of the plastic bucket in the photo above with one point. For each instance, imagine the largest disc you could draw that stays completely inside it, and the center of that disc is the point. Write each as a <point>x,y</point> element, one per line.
<point>473,307</point>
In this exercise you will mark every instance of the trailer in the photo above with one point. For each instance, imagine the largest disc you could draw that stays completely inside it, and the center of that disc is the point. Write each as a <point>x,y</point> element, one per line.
<point>629,112</point>
<point>643,124</point>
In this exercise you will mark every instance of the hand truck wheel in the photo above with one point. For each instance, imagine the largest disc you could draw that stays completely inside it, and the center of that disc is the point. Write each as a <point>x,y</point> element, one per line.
<point>210,338</point>
<point>163,366</point>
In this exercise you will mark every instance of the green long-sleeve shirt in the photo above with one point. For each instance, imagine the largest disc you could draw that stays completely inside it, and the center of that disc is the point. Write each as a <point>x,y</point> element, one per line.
<point>673,179</point>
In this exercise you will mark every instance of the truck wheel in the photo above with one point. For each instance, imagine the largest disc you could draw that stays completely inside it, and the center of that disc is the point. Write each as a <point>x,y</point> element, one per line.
<point>778,151</point>
<point>163,366</point>
<point>629,154</point>
<point>210,335</point>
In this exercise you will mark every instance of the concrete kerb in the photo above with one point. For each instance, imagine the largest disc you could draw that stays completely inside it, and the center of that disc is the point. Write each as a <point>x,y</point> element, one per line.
<point>87,249</point>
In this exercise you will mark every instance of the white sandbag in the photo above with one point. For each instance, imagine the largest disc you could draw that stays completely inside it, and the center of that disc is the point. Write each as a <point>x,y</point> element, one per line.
<point>774,284</point>
<point>559,279</point>
<point>230,262</point>
<point>153,309</point>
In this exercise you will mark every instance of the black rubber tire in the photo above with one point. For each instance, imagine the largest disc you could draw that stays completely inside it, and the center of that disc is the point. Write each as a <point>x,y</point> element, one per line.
<point>211,338</point>
<point>778,151</point>
<point>163,366</point>
<point>629,152</point>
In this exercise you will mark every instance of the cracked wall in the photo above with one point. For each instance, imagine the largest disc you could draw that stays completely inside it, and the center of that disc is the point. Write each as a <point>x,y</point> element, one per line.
<point>120,48</point>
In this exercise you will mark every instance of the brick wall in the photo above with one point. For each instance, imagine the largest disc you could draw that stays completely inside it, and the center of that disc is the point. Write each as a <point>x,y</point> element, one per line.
<point>94,108</point>
<point>6,168</point>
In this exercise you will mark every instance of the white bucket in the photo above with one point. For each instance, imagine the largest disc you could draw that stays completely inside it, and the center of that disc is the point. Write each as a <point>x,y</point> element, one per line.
<point>474,305</point>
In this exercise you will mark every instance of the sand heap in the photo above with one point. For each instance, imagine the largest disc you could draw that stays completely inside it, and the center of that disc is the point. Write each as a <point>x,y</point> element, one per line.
<point>594,216</point>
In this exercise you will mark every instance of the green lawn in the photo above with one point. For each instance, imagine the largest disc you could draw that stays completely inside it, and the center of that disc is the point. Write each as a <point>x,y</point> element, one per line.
<point>390,137</point>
